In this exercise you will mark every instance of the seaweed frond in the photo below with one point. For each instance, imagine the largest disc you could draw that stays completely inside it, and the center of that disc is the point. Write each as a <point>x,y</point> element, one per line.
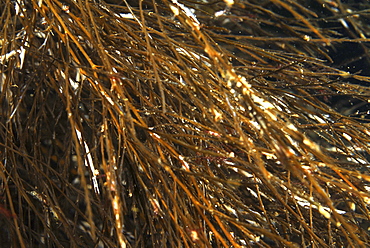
<point>184,123</point>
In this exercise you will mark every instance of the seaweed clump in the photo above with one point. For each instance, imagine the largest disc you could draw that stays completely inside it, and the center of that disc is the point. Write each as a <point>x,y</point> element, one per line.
<point>184,123</point>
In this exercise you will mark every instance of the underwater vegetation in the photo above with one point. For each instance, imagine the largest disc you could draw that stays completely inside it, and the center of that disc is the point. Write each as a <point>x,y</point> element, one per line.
<point>184,123</point>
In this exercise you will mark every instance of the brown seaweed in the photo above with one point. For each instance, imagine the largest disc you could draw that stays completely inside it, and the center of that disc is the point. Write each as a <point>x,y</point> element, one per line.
<point>184,123</point>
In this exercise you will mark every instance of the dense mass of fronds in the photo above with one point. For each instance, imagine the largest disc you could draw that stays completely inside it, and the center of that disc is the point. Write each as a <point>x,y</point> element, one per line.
<point>184,123</point>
